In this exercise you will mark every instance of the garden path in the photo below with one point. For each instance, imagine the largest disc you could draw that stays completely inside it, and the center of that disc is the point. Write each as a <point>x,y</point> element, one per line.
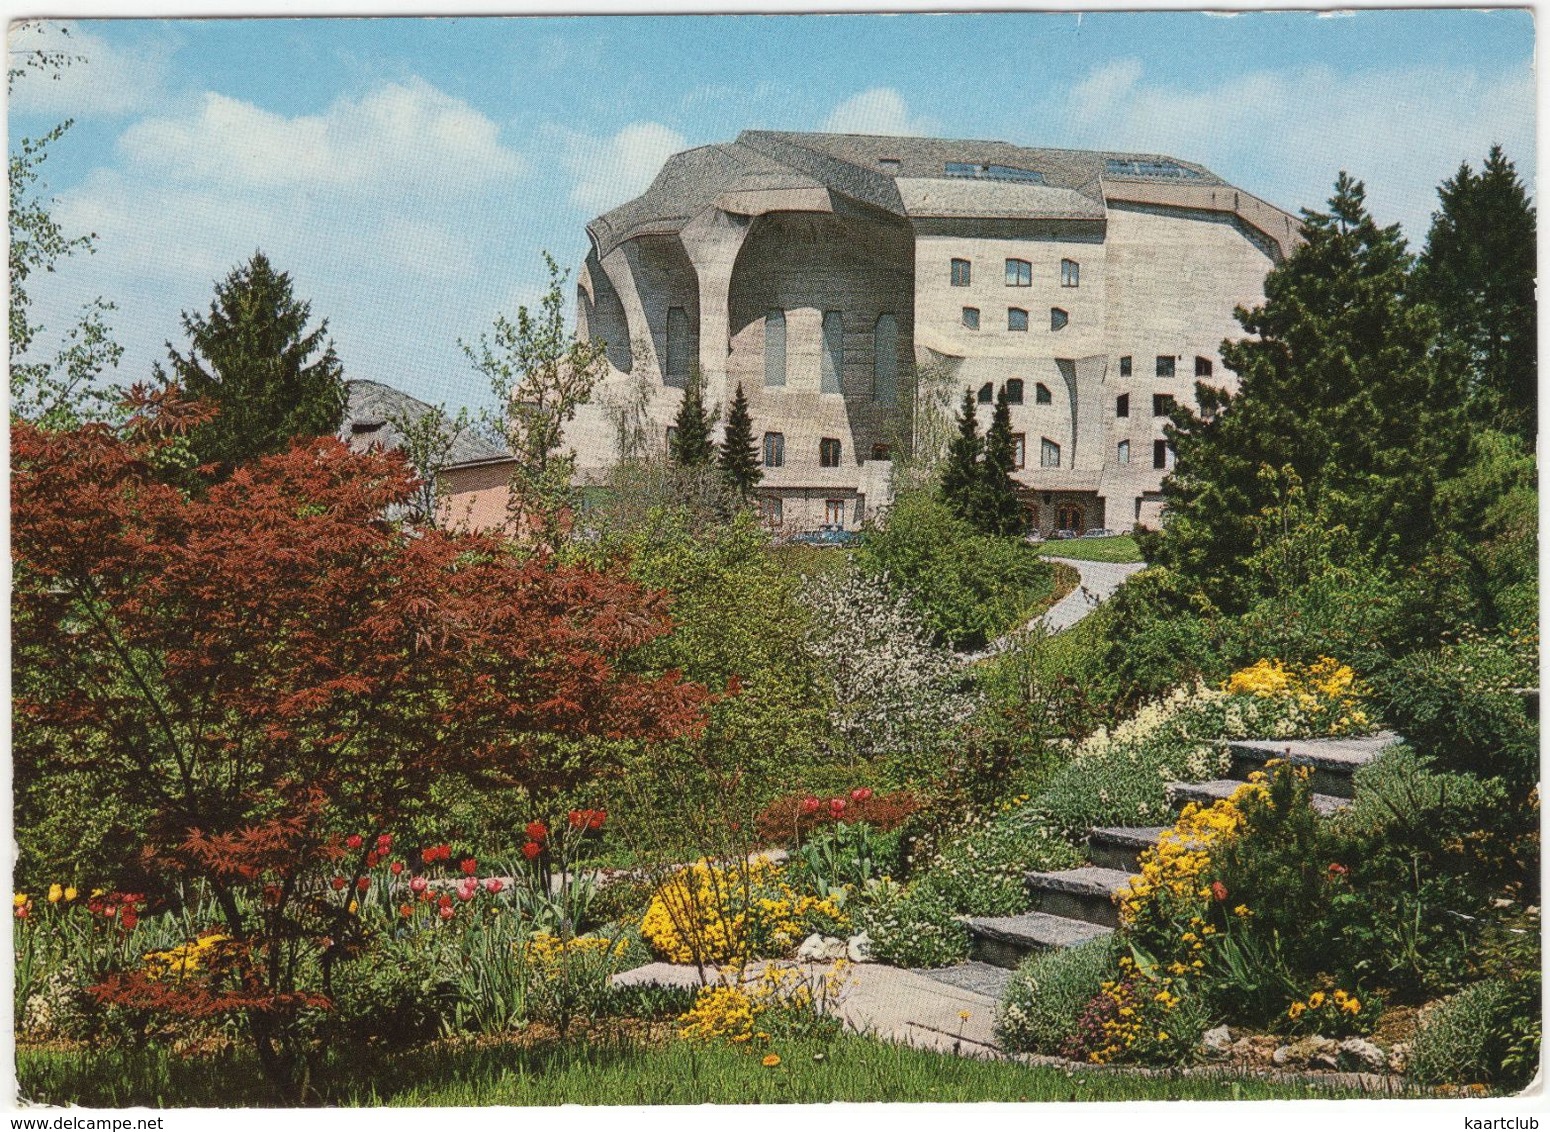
<point>1098,582</point>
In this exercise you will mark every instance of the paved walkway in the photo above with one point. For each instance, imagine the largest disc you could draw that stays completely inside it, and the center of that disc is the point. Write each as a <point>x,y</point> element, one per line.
<point>1098,582</point>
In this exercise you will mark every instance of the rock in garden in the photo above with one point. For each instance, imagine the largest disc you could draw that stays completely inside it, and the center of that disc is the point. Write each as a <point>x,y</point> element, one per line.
<point>859,948</point>
<point>1316,1052</point>
<point>1363,1056</point>
<point>1217,1042</point>
<point>1399,1057</point>
<point>821,948</point>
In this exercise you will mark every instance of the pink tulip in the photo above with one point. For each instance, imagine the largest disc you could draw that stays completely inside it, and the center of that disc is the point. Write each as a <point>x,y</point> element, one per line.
<point>494,885</point>
<point>418,884</point>
<point>446,912</point>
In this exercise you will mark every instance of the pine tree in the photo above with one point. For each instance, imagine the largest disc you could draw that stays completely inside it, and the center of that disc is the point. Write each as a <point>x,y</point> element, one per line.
<point>961,475</point>
<point>691,446</point>
<point>1337,382</point>
<point>998,511</point>
<point>1478,271</point>
<point>738,456</point>
<point>252,355</point>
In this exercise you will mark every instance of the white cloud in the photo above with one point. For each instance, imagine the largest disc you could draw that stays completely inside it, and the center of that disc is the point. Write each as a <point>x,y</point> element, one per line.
<point>407,136</point>
<point>101,79</point>
<point>610,171</point>
<point>1286,134</point>
<point>880,110</point>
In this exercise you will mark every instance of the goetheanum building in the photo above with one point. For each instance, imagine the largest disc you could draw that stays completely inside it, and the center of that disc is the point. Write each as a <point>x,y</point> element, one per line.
<point>818,271</point>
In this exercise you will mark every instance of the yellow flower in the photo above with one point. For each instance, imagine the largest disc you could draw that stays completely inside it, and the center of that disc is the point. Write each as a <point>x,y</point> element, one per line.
<point>56,893</point>
<point>70,894</point>
<point>1352,1006</point>
<point>964,1014</point>
<point>1162,1035</point>
<point>1315,1000</point>
<point>771,1060</point>
<point>19,899</point>
<point>1241,910</point>
<point>1294,1011</point>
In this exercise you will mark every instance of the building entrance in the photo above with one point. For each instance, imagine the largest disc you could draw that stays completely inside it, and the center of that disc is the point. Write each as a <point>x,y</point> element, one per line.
<point>1069,518</point>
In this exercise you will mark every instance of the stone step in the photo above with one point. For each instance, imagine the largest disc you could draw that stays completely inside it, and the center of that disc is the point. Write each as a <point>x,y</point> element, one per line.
<point>1005,941</point>
<point>1333,760</point>
<point>1086,893</point>
<point>1208,793</point>
<point>988,979</point>
<point>1120,847</point>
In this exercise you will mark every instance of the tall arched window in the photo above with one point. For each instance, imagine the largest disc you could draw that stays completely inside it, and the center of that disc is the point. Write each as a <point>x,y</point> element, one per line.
<point>885,359</point>
<point>831,361</point>
<point>775,348</point>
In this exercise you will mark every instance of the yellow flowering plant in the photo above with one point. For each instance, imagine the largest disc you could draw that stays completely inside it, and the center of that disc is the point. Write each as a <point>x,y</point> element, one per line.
<point>718,913</point>
<point>1319,699</point>
<point>783,1001</point>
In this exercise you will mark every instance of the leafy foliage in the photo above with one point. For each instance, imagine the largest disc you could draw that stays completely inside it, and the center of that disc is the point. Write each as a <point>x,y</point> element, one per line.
<point>1045,999</point>
<point>911,926</point>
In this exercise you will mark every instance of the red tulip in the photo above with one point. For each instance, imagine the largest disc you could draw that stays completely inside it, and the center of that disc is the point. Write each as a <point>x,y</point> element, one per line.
<point>597,819</point>
<point>372,859</point>
<point>469,866</point>
<point>537,830</point>
<point>128,920</point>
<point>418,884</point>
<point>1338,870</point>
<point>861,794</point>
<point>363,884</point>
<point>494,885</point>
<point>532,849</point>
<point>338,883</point>
<point>353,841</point>
<point>396,867</point>
<point>1218,890</point>
<point>810,805</point>
<point>836,806</point>
<point>446,912</point>
<point>406,910</point>
<point>23,911</point>
<point>384,842</point>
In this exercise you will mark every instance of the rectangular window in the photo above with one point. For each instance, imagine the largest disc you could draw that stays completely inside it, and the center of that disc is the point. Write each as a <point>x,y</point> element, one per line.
<point>1124,366</point>
<point>971,317</point>
<point>1016,318</point>
<point>1202,367</point>
<point>775,348</point>
<point>1019,449</point>
<point>1164,366</point>
<point>1049,453</point>
<point>1122,453</point>
<point>1041,394</point>
<point>1162,404</point>
<point>828,453</point>
<point>774,450</point>
<point>1070,273</point>
<point>1019,273</point>
<point>834,512</point>
<point>1162,454</point>
<point>960,273</point>
<point>885,359</point>
<point>1122,405</point>
<point>681,348</point>
<point>770,510</point>
<point>1014,391</point>
<point>890,165</point>
<point>831,362</point>
<point>1058,318</point>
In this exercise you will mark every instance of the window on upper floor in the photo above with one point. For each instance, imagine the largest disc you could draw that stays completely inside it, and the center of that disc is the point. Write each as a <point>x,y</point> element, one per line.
<point>828,453</point>
<point>885,359</point>
<point>1019,273</point>
<point>1122,405</point>
<point>961,273</point>
<point>881,452</point>
<point>770,510</point>
<point>1122,452</point>
<point>1162,454</point>
<point>1049,453</point>
<point>1019,449</point>
<point>681,348</point>
<point>1202,366</point>
<point>1058,318</point>
<point>775,348</point>
<point>971,317</point>
<point>1162,404</point>
<point>890,165</point>
<point>1014,391</point>
<point>1041,394</point>
<point>1164,366</point>
<point>774,450</point>
<point>1124,366</point>
<point>1070,273</point>
<point>831,360</point>
<point>1016,318</point>
<point>987,393</point>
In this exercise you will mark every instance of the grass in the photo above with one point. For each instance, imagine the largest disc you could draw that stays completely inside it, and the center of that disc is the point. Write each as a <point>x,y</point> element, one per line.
<point>617,1072</point>
<point>1116,548</point>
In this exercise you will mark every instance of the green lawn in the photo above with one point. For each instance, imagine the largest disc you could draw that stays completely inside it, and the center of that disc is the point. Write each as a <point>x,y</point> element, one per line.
<point>1116,548</point>
<point>849,1068</point>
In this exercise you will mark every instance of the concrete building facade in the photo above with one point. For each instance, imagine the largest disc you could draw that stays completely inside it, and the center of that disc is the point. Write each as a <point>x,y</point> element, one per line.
<point>819,271</point>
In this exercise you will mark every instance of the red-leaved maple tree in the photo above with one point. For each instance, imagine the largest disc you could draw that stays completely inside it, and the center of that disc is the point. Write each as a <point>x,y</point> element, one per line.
<point>278,660</point>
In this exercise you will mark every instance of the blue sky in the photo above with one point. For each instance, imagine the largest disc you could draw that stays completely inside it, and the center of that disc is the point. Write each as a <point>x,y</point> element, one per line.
<point>408,173</point>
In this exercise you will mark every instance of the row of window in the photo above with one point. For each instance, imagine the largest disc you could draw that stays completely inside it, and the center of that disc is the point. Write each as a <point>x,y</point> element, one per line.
<point>1014,392</point>
<point>1019,273</point>
<point>771,511</point>
<point>1016,318</point>
<point>828,451</point>
<point>1162,404</point>
<point>831,357</point>
<point>1165,366</point>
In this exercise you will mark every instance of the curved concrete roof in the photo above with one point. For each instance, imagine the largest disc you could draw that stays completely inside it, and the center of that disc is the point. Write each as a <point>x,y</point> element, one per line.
<point>767,170</point>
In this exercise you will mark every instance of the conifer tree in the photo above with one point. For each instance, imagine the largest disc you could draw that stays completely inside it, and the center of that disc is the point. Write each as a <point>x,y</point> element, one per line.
<point>738,457</point>
<point>997,510</point>
<point>691,446</point>
<point>255,359</point>
<point>961,475</point>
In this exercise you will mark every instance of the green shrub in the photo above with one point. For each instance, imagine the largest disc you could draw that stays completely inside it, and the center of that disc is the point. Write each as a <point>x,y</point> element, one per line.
<point>1459,1040</point>
<point>981,870</point>
<point>967,587</point>
<point>911,927</point>
<point>1047,995</point>
<point>1160,633</point>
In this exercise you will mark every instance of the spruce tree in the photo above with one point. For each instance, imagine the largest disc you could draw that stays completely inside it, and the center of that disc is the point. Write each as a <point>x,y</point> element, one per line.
<point>997,510</point>
<point>253,356</point>
<point>961,475</point>
<point>738,456</point>
<point>1478,272</point>
<point>691,446</point>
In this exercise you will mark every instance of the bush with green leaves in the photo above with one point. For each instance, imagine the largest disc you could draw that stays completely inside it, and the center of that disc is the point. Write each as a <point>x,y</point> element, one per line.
<point>968,588</point>
<point>980,870</point>
<point>1046,997</point>
<point>1460,1040</point>
<point>910,926</point>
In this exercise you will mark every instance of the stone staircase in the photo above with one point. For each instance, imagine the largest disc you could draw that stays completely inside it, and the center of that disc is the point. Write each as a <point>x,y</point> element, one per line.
<point>1075,905</point>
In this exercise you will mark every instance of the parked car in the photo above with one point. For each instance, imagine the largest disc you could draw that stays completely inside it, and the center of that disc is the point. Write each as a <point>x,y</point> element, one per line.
<point>826,536</point>
<point>1099,532</point>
